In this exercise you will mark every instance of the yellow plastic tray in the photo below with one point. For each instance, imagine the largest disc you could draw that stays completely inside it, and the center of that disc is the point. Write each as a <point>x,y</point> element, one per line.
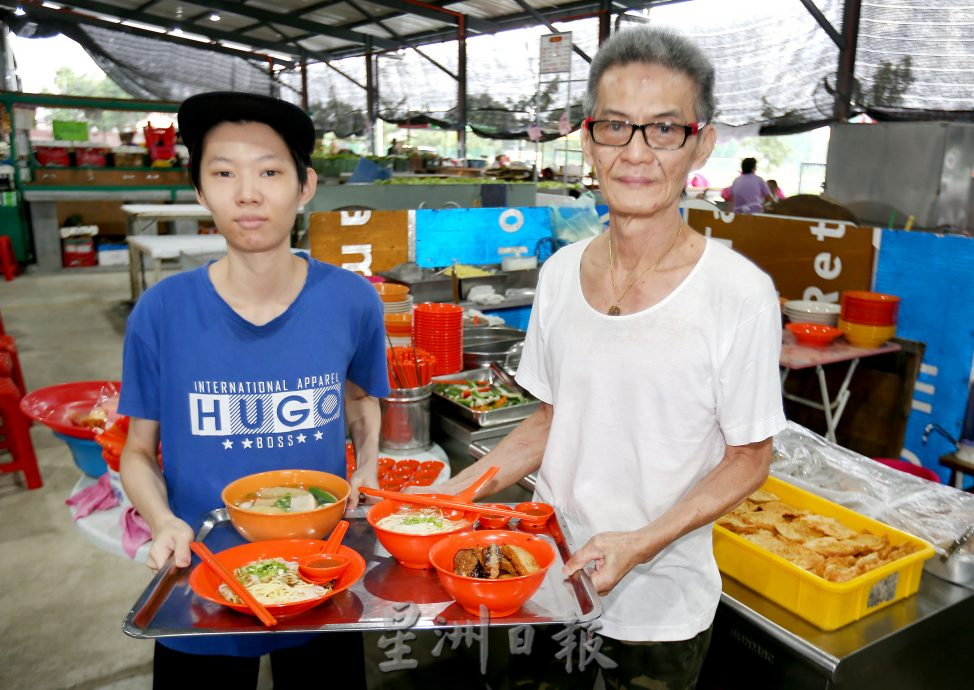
<point>827,605</point>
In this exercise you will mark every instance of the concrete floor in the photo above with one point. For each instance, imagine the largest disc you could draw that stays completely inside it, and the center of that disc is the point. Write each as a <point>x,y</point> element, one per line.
<point>62,600</point>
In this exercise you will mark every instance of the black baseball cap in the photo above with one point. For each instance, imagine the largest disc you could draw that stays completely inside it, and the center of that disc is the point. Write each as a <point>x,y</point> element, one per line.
<point>200,113</point>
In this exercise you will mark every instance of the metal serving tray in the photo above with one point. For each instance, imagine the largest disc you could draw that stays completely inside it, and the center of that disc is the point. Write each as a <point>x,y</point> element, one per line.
<point>168,607</point>
<point>444,405</point>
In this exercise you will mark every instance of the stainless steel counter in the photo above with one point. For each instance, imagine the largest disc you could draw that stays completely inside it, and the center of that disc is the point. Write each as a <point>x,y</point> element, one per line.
<point>917,643</point>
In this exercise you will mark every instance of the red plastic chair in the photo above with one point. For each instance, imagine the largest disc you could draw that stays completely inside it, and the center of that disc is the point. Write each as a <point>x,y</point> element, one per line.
<point>8,346</point>
<point>8,260</point>
<point>910,468</point>
<point>15,434</point>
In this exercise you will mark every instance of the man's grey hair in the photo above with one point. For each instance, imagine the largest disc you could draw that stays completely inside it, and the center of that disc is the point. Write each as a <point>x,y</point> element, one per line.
<point>649,45</point>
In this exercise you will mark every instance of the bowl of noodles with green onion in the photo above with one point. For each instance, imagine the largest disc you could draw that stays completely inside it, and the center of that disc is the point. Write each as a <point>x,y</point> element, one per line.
<point>269,571</point>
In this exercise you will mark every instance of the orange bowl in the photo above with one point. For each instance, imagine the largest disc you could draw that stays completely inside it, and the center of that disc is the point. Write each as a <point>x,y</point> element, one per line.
<point>412,550</point>
<point>391,292</point>
<point>312,524</point>
<point>501,597</point>
<point>205,583</point>
<point>494,521</point>
<point>865,335</point>
<point>542,511</point>
<point>813,334</point>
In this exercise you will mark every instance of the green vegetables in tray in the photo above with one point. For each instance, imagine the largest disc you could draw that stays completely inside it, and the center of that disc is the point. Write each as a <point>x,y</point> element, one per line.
<point>480,396</point>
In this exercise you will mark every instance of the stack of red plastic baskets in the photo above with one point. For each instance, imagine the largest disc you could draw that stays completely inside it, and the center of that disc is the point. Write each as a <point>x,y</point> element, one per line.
<point>438,329</point>
<point>868,319</point>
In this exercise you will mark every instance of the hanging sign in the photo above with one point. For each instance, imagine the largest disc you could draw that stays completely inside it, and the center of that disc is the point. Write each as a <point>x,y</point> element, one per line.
<point>556,53</point>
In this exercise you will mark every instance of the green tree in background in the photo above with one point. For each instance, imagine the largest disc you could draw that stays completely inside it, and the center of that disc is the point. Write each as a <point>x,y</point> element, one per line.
<point>68,83</point>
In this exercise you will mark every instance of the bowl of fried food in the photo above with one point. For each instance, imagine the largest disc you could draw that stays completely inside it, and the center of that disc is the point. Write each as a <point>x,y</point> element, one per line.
<point>497,569</point>
<point>286,504</point>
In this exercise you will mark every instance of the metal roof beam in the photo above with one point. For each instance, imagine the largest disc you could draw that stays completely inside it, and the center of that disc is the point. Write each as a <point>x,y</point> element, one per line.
<point>393,34</point>
<point>537,15</point>
<point>79,18</point>
<point>298,23</point>
<point>427,11</point>
<point>823,22</point>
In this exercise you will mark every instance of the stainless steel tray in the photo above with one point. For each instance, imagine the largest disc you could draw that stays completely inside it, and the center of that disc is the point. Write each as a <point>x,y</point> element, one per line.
<point>168,607</point>
<point>444,405</point>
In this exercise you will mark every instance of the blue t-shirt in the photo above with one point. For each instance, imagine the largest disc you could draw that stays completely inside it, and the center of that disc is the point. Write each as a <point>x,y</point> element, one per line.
<point>233,398</point>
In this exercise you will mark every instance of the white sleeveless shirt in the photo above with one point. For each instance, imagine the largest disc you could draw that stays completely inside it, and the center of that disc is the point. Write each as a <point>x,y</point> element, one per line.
<point>643,407</point>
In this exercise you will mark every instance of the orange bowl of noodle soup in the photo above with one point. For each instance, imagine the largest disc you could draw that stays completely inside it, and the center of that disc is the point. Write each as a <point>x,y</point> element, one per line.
<point>250,501</point>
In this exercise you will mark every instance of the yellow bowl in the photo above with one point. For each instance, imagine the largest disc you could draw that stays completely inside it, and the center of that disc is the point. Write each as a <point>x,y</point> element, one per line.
<point>864,335</point>
<point>310,524</point>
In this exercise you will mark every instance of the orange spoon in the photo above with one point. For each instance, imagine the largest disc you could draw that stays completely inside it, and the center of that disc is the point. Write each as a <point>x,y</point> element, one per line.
<point>327,564</point>
<point>422,500</point>
<point>203,551</point>
<point>468,494</point>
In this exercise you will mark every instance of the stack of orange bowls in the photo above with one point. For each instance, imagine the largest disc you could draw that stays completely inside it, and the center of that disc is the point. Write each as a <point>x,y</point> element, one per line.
<point>397,304</point>
<point>438,329</point>
<point>868,319</point>
<point>400,329</point>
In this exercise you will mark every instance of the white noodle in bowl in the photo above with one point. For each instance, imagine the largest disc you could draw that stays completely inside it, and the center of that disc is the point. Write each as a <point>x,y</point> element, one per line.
<point>273,581</point>
<point>415,520</point>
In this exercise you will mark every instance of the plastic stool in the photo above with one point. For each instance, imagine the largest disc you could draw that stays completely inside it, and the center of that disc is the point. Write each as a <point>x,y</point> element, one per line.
<point>8,260</point>
<point>16,436</point>
<point>9,346</point>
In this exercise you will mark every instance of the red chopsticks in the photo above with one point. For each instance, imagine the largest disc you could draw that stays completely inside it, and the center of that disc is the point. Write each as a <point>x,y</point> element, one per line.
<point>203,551</point>
<point>409,367</point>
<point>420,499</point>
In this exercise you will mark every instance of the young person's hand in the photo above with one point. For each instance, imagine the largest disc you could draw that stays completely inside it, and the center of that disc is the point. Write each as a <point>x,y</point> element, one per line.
<point>171,538</point>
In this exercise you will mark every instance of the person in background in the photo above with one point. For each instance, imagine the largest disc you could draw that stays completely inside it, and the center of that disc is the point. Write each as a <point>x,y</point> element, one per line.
<point>241,366</point>
<point>654,352</point>
<point>395,148</point>
<point>749,192</point>
<point>775,190</point>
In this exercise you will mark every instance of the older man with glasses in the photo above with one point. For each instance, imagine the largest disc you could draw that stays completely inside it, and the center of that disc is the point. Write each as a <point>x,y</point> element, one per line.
<point>655,353</point>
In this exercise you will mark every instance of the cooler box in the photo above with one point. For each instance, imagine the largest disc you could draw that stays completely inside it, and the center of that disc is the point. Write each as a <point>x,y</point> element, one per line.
<point>827,605</point>
<point>113,255</point>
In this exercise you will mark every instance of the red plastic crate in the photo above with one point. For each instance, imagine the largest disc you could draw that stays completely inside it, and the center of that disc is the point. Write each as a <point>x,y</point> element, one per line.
<point>52,155</point>
<point>94,157</point>
<point>78,251</point>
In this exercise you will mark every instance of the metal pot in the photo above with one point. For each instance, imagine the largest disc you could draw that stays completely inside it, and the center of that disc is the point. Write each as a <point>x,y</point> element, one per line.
<point>506,354</point>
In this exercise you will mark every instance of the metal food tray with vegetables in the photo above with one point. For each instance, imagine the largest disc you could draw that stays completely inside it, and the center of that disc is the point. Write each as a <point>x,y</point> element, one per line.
<point>480,396</point>
<point>169,606</point>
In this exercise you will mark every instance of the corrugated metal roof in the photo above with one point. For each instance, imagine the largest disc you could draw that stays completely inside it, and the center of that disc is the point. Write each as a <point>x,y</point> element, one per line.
<point>325,29</point>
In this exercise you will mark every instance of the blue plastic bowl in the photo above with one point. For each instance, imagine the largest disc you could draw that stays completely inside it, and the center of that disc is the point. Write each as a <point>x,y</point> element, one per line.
<point>86,454</point>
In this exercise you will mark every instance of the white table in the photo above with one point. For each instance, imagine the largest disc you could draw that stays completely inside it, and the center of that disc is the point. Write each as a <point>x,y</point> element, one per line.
<point>141,217</point>
<point>154,249</point>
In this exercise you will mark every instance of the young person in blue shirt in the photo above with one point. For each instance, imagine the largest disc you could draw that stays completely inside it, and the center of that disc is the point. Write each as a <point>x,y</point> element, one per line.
<point>251,363</point>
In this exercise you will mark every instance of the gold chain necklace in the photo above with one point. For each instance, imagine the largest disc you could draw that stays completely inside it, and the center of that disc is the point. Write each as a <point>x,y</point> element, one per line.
<point>614,310</point>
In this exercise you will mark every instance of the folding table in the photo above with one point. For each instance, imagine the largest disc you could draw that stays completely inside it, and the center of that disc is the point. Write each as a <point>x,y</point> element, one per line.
<point>795,356</point>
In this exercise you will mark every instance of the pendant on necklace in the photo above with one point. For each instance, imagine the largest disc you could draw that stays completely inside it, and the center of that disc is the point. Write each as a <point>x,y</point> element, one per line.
<point>614,310</point>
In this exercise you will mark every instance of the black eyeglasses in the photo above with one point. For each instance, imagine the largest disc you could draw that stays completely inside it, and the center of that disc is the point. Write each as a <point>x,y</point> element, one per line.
<point>662,136</point>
